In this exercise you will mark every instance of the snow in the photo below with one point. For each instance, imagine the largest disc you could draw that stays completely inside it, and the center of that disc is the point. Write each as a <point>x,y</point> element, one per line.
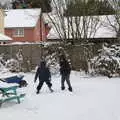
<point>4,37</point>
<point>33,43</point>
<point>93,98</point>
<point>22,17</point>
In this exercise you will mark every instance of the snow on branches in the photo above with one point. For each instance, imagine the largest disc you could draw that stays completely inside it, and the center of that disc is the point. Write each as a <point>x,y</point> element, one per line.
<point>107,62</point>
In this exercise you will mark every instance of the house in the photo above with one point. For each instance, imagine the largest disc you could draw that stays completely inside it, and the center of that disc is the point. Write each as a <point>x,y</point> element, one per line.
<point>25,25</point>
<point>3,38</point>
<point>98,27</point>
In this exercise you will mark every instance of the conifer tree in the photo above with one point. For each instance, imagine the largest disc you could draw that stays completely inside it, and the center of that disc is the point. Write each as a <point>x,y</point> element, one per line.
<point>91,7</point>
<point>45,5</point>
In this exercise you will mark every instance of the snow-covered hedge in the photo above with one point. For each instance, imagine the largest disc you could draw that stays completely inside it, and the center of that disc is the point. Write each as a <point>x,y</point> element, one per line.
<point>13,65</point>
<point>107,62</point>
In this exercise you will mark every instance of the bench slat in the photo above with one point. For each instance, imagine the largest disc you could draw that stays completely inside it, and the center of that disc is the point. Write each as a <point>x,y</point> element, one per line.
<point>8,88</point>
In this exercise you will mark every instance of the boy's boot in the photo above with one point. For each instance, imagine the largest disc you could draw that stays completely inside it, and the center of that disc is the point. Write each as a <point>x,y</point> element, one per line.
<point>37,92</point>
<point>62,88</point>
<point>51,90</point>
<point>70,89</point>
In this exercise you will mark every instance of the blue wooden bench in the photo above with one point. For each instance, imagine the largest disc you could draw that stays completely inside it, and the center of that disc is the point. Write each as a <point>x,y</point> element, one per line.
<point>9,93</point>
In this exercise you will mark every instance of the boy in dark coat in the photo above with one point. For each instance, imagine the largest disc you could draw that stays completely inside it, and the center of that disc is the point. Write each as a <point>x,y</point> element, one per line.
<point>65,70</point>
<point>44,76</point>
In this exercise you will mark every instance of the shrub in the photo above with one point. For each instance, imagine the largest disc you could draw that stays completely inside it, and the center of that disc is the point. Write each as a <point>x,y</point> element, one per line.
<point>107,62</point>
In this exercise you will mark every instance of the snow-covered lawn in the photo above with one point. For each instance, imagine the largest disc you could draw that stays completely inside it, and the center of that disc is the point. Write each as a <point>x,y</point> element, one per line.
<point>93,98</point>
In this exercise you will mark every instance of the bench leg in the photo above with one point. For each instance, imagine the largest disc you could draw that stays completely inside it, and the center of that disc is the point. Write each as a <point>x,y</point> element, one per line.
<point>18,99</point>
<point>0,103</point>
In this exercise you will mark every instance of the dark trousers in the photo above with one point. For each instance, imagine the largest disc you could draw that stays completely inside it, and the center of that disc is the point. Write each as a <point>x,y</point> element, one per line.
<point>67,79</point>
<point>41,84</point>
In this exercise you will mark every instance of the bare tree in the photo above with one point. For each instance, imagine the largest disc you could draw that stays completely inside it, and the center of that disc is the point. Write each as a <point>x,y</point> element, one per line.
<point>114,19</point>
<point>73,27</point>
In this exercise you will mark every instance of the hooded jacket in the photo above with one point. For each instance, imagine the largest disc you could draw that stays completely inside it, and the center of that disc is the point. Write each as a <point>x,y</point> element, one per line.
<point>43,72</point>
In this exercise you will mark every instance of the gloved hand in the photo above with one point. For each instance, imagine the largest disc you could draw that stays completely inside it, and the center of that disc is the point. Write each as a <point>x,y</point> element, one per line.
<point>50,79</point>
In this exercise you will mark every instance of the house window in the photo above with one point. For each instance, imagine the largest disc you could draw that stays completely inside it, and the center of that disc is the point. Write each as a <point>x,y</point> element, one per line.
<point>18,32</point>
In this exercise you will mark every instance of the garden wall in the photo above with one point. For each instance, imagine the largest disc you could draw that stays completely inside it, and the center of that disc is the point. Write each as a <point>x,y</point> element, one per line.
<point>32,54</point>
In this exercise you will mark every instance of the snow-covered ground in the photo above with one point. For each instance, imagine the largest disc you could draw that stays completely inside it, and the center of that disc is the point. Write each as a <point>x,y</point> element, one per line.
<point>93,98</point>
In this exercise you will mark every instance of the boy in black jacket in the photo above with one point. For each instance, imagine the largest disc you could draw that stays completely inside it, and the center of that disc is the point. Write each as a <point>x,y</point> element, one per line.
<point>65,70</point>
<point>44,76</point>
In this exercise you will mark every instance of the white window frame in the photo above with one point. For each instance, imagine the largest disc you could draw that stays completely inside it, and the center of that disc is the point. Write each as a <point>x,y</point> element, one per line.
<point>18,32</point>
